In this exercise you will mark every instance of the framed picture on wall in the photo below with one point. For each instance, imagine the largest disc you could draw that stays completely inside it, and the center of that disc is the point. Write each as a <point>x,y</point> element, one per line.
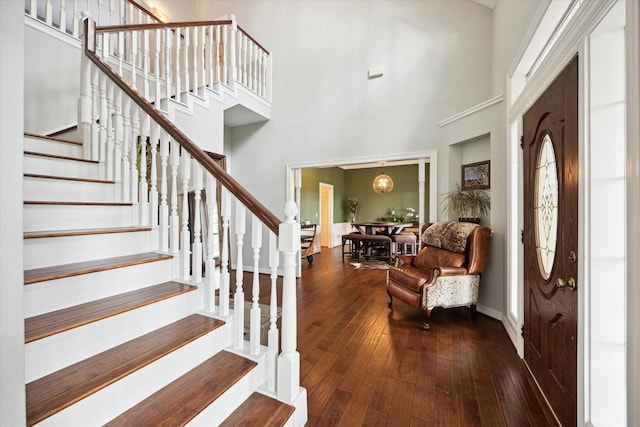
<point>476,175</point>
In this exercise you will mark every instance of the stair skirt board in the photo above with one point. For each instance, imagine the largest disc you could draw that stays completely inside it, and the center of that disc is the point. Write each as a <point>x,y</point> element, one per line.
<point>49,251</point>
<point>50,295</point>
<point>107,403</point>
<point>59,165</point>
<point>53,353</point>
<point>41,216</point>
<point>67,190</point>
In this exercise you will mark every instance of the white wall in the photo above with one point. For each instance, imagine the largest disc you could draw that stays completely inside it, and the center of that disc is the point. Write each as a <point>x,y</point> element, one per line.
<point>511,24</point>
<point>325,108</point>
<point>51,93</point>
<point>12,398</point>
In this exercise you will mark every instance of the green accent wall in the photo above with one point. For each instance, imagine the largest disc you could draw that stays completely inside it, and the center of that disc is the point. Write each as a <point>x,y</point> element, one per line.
<point>358,183</point>
<point>310,193</point>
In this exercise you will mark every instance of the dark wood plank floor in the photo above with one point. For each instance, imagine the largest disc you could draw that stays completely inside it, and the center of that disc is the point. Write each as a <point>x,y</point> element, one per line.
<point>366,365</point>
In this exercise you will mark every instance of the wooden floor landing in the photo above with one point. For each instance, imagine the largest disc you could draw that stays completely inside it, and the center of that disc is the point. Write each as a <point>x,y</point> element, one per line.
<point>365,365</point>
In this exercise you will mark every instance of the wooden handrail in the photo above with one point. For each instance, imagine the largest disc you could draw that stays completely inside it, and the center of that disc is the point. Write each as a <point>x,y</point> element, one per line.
<point>144,10</point>
<point>158,26</point>
<point>257,208</point>
<point>253,40</point>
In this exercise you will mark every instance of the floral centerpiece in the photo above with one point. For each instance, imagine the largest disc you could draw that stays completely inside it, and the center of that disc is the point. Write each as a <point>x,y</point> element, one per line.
<point>352,204</point>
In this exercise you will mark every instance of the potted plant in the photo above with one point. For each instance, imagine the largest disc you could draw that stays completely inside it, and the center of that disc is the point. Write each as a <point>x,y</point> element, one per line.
<point>352,204</point>
<point>468,204</point>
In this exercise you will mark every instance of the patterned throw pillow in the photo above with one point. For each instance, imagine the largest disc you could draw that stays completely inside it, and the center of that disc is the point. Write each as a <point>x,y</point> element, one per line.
<point>451,236</point>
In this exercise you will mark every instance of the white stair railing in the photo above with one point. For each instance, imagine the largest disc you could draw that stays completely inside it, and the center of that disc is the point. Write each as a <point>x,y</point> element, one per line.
<point>64,15</point>
<point>164,61</point>
<point>157,168</point>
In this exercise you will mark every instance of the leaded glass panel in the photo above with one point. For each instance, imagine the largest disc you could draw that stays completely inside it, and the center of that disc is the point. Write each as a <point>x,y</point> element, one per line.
<point>546,207</point>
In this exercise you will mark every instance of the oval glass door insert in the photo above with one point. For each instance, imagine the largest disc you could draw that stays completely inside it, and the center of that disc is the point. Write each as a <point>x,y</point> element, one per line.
<point>546,207</point>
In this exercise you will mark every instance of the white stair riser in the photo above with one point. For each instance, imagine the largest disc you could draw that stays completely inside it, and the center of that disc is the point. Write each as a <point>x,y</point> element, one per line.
<point>68,217</point>
<point>49,251</point>
<point>103,406</point>
<point>52,353</point>
<point>43,297</point>
<point>47,146</point>
<point>59,167</point>
<point>63,190</point>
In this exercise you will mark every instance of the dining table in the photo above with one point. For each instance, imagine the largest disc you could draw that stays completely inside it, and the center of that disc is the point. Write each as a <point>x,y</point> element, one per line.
<point>385,228</point>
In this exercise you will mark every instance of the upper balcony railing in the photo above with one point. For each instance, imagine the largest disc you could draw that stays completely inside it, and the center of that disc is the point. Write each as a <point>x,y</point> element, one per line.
<point>164,60</point>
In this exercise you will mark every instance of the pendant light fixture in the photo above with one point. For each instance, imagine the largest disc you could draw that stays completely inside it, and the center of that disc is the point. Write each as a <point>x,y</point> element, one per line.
<point>382,183</point>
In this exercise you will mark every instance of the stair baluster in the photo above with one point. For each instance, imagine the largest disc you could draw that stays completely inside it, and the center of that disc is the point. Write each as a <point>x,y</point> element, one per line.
<point>238,297</point>
<point>145,130</point>
<point>164,207</point>
<point>174,226</point>
<point>218,54</point>
<point>167,64</point>
<point>110,148</point>
<point>212,276</point>
<point>186,44</point>
<point>225,282</point>
<point>256,244</point>
<point>203,55</point>
<point>133,158</point>
<point>154,142</point>
<point>157,36</point>
<point>126,150</point>
<point>118,133</point>
<point>196,256</point>
<point>185,234</point>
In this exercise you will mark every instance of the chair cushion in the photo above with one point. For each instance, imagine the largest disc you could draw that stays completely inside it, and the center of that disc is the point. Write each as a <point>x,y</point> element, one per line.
<point>448,235</point>
<point>412,278</point>
<point>430,257</point>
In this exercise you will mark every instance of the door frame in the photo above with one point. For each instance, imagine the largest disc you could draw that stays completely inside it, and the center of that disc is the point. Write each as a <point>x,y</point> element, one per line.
<point>522,91</point>
<point>323,231</point>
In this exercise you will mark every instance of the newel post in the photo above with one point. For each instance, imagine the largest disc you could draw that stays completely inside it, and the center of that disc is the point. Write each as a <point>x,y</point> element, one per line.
<point>289,358</point>
<point>85,106</point>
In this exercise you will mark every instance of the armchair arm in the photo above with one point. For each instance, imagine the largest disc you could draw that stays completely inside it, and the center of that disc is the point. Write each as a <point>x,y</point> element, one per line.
<point>451,271</point>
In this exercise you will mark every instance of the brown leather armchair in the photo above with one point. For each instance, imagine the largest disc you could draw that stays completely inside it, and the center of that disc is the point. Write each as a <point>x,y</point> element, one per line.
<point>446,271</point>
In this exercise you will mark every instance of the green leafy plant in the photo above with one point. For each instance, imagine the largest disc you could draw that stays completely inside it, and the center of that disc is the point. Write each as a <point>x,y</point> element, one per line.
<point>470,203</point>
<point>353,203</point>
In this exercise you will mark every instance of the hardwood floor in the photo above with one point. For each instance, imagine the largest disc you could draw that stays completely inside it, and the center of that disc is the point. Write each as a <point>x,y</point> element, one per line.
<point>366,365</point>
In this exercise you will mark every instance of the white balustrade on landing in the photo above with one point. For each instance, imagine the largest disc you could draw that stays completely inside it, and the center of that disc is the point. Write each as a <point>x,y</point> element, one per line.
<point>64,15</point>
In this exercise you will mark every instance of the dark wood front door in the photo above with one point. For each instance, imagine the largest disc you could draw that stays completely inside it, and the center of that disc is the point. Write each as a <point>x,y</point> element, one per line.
<point>550,155</point>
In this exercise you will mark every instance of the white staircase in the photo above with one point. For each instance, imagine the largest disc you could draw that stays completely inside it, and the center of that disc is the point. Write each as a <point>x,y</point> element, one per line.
<point>92,306</point>
<point>122,324</point>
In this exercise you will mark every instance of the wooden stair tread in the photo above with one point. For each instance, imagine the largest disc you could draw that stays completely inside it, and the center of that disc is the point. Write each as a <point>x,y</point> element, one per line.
<point>47,324</point>
<point>55,156</point>
<point>59,390</point>
<point>75,269</point>
<point>66,178</point>
<point>83,232</point>
<point>51,138</point>
<point>259,410</point>
<point>53,202</point>
<point>180,401</point>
